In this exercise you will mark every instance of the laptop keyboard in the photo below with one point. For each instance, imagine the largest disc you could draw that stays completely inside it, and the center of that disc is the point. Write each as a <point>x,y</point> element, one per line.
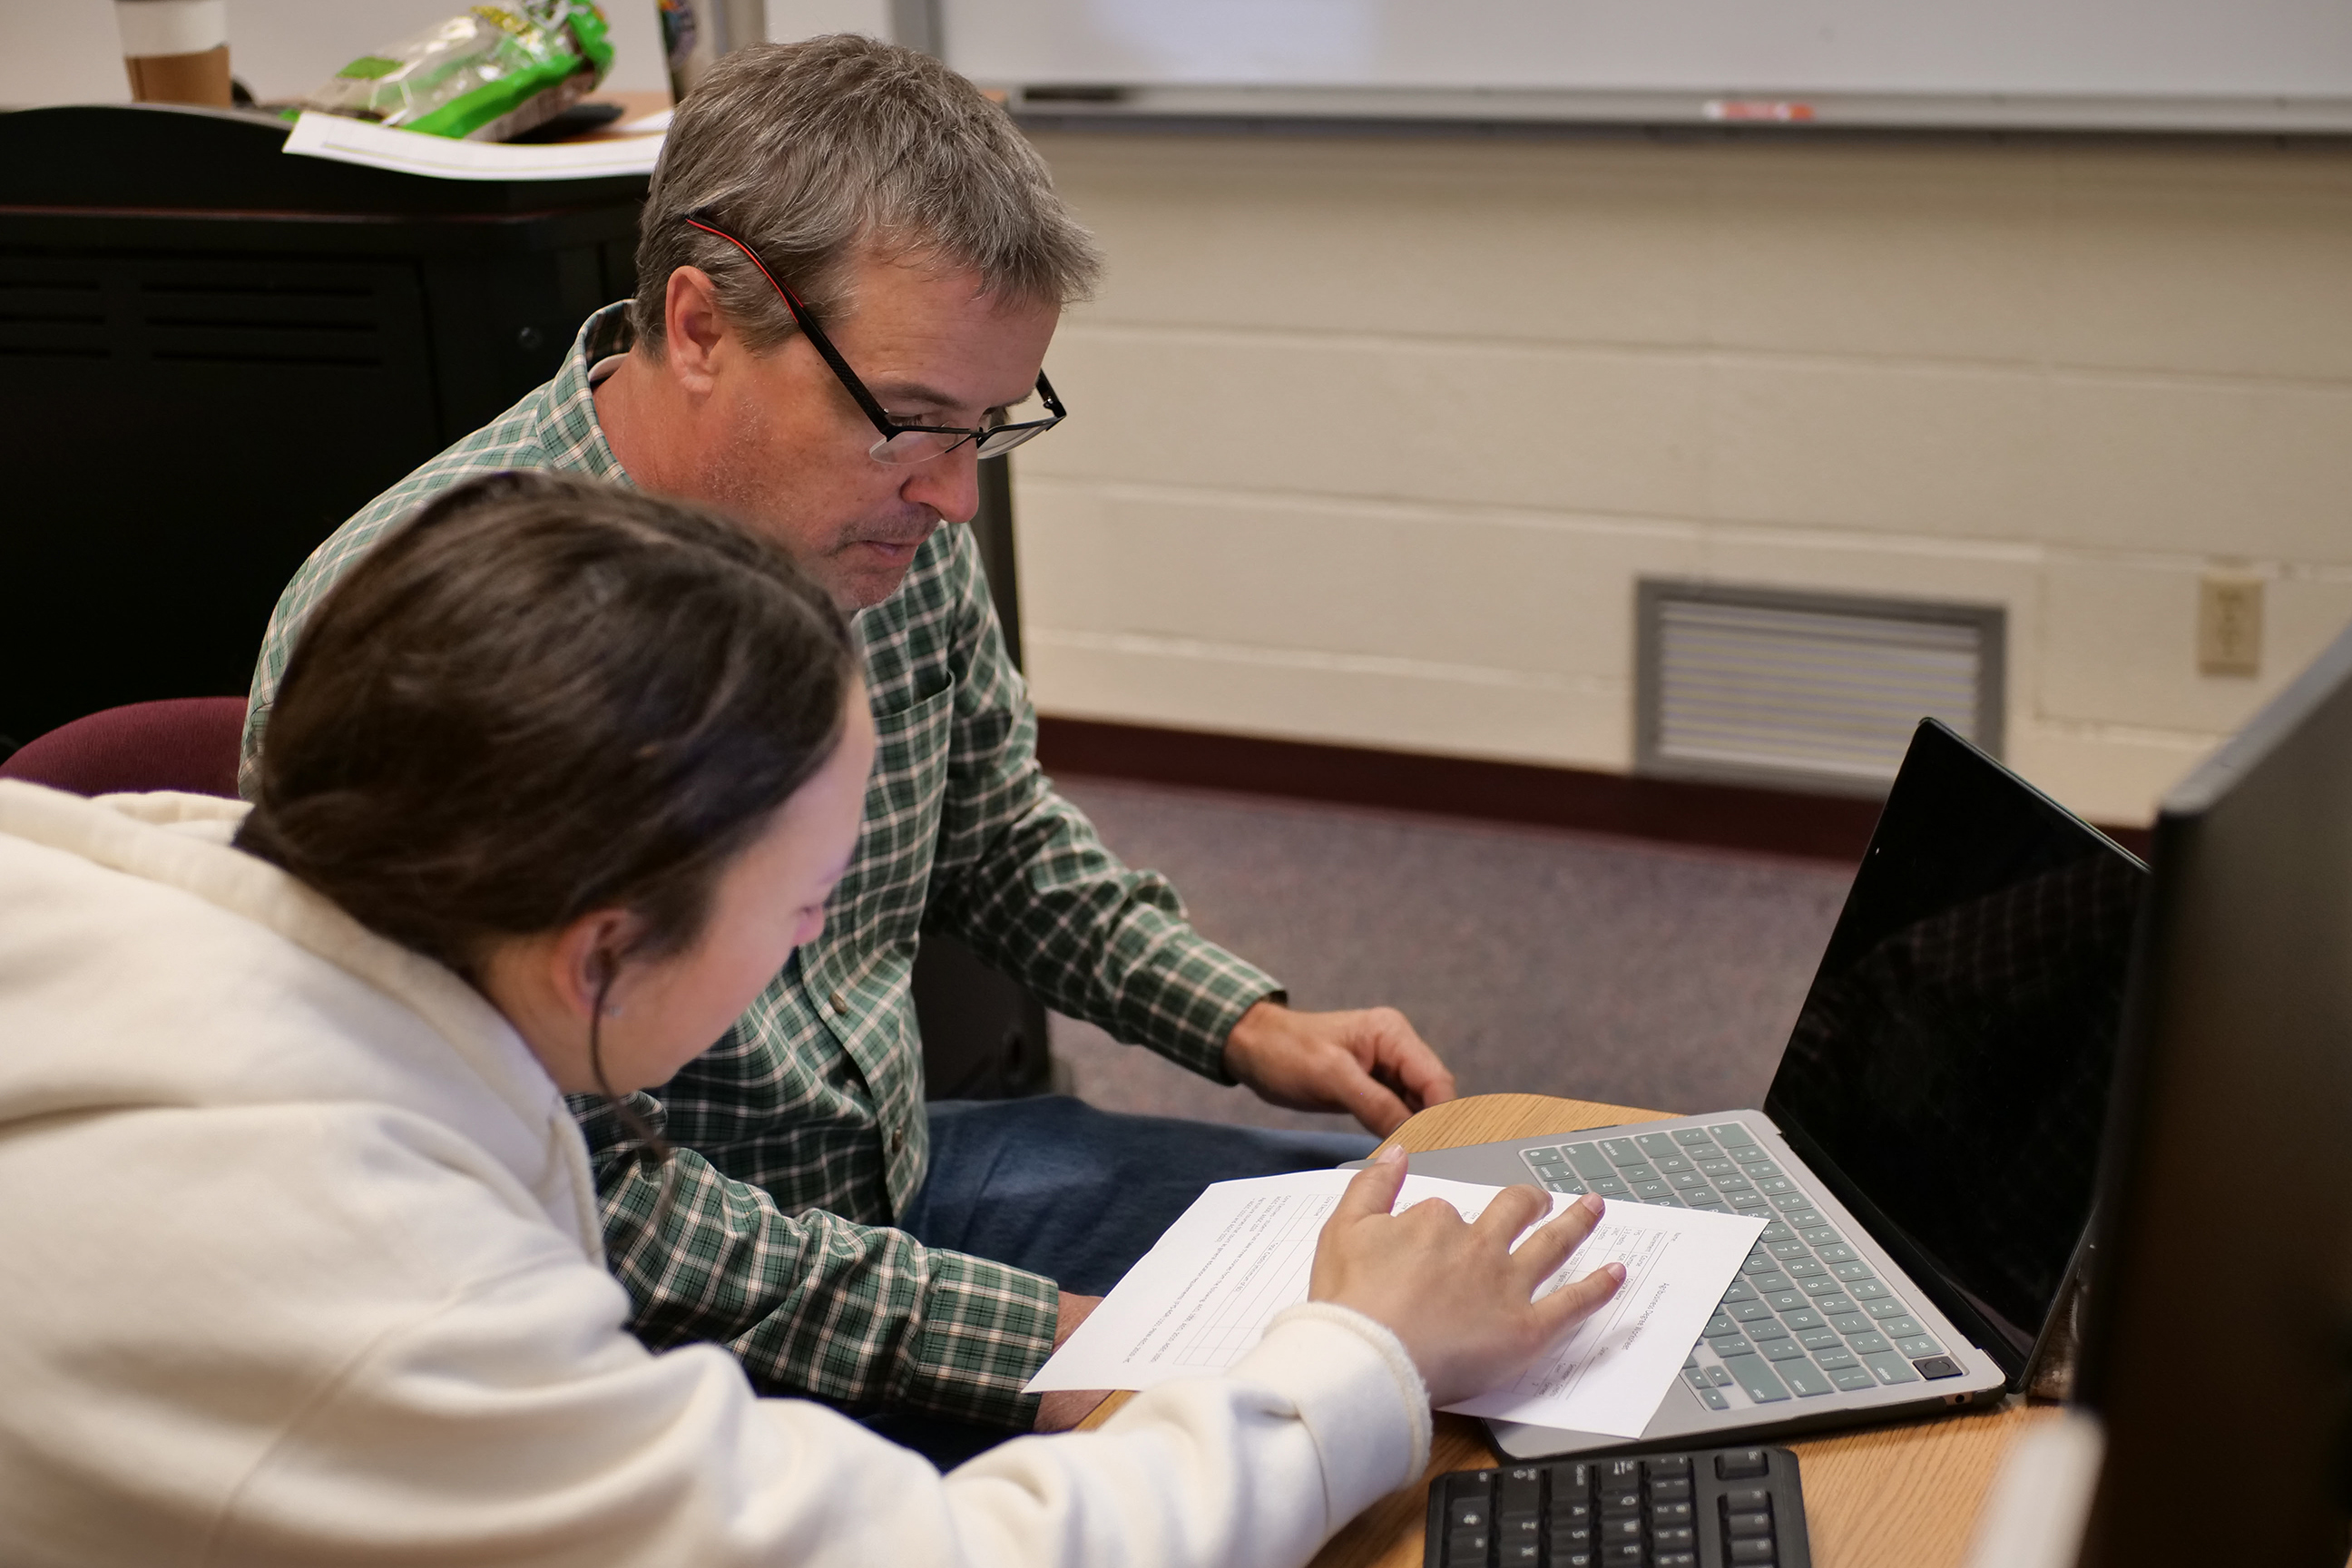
<point>1712,1509</point>
<point>1807,1315</point>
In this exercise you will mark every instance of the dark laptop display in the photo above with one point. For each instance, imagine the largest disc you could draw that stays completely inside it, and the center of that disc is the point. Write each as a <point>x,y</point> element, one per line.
<point>1949,1070</point>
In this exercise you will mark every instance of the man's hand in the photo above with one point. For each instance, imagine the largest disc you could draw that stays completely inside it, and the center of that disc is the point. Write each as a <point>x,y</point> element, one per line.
<point>1064,1408</point>
<point>1368,1064</point>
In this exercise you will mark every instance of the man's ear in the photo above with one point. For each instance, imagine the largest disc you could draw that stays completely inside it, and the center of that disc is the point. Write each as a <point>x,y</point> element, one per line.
<point>694,329</point>
<point>589,961</point>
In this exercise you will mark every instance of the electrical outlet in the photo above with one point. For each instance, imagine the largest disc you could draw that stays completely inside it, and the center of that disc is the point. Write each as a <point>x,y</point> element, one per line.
<point>2229,624</point>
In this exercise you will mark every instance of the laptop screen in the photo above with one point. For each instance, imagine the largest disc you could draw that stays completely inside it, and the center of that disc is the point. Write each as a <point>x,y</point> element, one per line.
<point>1949,1074</point>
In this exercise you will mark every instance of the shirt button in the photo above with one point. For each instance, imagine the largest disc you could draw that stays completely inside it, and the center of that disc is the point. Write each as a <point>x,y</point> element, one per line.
<point>897,1139</point>
<point>838,1005</point>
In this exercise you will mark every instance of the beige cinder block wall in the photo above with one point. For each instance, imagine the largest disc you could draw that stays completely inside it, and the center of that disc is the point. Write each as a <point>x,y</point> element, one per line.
<point>1372,435</point>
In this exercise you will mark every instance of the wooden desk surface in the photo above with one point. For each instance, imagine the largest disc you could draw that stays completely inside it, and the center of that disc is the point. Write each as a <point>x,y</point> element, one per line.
<point>1888,1496</point>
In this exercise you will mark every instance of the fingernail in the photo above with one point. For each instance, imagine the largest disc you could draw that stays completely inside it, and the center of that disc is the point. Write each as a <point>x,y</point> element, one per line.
<point>1594,1205</point>
<point>1390,1154</point>
<point>1616,1271</point>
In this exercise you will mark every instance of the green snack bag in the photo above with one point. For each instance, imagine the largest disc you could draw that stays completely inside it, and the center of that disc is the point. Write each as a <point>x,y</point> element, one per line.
<point>493,72</point>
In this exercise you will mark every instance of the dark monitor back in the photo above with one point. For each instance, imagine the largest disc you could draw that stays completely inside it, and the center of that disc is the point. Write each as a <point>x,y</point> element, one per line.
<point>2219,1346</point>
<point>1949,1074</point>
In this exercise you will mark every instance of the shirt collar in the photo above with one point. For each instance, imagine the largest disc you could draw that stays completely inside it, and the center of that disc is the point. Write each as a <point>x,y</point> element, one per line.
<point>573,434</point>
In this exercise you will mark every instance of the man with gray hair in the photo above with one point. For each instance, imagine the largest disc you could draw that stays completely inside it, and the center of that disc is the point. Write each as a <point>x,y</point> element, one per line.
<point>849,269</point>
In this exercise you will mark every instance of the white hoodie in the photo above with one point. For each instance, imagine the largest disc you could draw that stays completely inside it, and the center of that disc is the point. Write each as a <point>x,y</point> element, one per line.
<point>299,1264</point>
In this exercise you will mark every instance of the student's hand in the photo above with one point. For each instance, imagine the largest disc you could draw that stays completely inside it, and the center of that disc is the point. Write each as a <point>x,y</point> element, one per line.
<point>1456,1294</point>
<point>1368,1064</point>
<point>1064,1408</point>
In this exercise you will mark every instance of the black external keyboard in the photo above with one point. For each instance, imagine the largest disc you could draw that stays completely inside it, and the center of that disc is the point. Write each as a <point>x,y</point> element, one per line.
<point>1708,1509</point>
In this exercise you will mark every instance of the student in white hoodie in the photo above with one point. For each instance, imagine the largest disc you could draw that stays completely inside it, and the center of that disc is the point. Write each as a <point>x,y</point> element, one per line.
<point>301,1244</point>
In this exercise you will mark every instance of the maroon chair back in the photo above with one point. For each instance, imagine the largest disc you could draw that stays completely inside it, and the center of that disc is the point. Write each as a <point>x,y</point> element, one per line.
<point>185,743</point>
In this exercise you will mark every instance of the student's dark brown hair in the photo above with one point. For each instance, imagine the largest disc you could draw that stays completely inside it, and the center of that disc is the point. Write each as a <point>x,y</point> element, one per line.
<point>540,697</point>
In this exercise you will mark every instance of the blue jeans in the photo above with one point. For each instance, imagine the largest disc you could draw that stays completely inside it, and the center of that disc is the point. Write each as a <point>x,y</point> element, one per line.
<point>1058,1188</point>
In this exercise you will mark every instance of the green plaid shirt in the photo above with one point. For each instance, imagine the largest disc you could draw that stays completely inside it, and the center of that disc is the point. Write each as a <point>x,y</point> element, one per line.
<point>802,1133</point>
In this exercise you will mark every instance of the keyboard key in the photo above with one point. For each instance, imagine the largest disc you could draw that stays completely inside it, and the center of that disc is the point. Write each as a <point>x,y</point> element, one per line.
<point>1695,1376</point>
<point>1588,1161</point>
<point>1849,1378</point>
<point>1748,1522</point>
<point>1896,1325</point>
<point>1804,1268</point>
<point>1728,1345</point>
<point>1620,1150</point>
<point>1776,1231</point>
<point>1739,1291</point>
<point>1670,1514</point>
<point>1785,1300</point>
<point>1624,1554</point>
<point>1709,1199</point>
<point>1749,1312</point>
<point>1781,1350</point>
<point>1719,1324</point>
<point>1518,1493</point>
<point>1729,1132</point>
<point>1692,1135</point>
<point>1790,1249</point>
<point>1820,1235</point>
<point>1543,1156</point>
<point>1918,1345</point>
<point>1809,1381</point>
<point>1820,1339</point>
<point>1518,1554</point>
<point>1867,1343</point>
<point>1674,1165</point>
<point>1760,1262</point>
<point>1744,1202</point>
<point>1718,1167</point>
<point>1755,1377</point>
<point>1715,1399</point>
<point>1610,1187</point>
<point>1466,1547</point>
<point>1687,1179</point>
<point>1856,1270</point>
<point>1648,1190</point>
<point>1776,1280</point>
<point>1655,1144</point>
<point>1752,1553</point>
<point>1802,1319</point>
<point>1640,1171</point>
<point>1833,1360</point>
<point>1884,1308</point>
<point>1759,1167</point>
<point>1830,1305</point>
<point>1803,1219</point>
<point>1785,1201</point>
<point>1734,1182</point>
<point>1744,1464</point>
<point>1866,1290</point>
<point>1564,1184</point>
<point>1674,1538</point>
<point>1848,1322</point>
<point>1821,1288</point>
<point>1890,1367</point>
<point>1665,1201</point>
<point>1768,1327</point>
<point>1717,1376</point>
<point>1836,1252</point>
<point>1768,1183</point>
<point>1937,1367</point>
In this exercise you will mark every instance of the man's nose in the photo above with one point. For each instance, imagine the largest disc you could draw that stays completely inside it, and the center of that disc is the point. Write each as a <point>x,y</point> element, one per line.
<point>949,484</point>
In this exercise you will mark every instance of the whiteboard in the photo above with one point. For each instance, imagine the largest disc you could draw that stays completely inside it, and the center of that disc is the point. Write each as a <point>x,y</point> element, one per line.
<point>2155,64</point>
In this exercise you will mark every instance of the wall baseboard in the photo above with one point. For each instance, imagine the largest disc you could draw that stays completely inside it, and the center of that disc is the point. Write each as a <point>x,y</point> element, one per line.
<point>1720,817</point>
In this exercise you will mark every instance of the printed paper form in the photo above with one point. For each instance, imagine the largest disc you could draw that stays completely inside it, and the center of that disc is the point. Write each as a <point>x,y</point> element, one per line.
<point>1200,1298</point>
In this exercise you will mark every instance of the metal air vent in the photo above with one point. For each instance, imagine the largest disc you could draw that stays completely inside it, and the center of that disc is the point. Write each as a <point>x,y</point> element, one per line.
<point>1798,690</point>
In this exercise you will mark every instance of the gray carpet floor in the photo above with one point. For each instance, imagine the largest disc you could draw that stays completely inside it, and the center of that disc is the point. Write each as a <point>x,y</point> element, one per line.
<point>1537,961</point>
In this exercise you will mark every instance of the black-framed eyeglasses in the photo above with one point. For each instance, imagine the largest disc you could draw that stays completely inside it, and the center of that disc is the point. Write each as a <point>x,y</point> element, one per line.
<point>900,443</point>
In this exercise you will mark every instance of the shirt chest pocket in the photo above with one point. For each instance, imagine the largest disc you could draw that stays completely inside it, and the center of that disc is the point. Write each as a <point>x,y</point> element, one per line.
<point>882,897</point>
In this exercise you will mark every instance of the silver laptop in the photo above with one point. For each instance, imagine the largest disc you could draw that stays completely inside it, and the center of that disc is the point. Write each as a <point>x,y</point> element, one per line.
<point>1927,1152</point>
